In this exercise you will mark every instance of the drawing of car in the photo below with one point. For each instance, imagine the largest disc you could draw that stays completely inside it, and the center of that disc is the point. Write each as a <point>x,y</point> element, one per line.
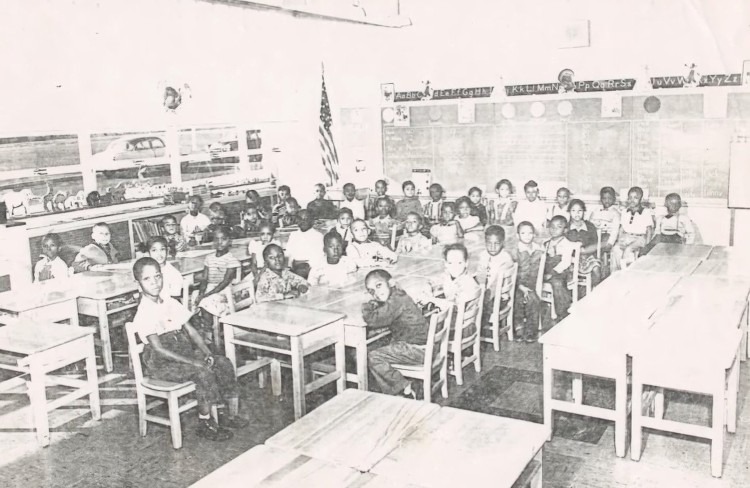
<point>131,152</point>
<point>225,150</point>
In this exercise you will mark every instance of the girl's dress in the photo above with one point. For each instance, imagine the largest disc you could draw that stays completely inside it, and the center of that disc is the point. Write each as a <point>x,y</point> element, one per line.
<point>504,212</point>
<point>585,233</point>
<point>217,304</point>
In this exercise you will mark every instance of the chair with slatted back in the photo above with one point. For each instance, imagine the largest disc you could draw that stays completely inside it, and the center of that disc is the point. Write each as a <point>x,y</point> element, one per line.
<point>546,295</point>
<point>396,231</point>
<point>586,280</point>
<point>469,312</point>
<point>505,314</point>
<point>163,390</point>
<point>435,357</point>
<point>241,296</point>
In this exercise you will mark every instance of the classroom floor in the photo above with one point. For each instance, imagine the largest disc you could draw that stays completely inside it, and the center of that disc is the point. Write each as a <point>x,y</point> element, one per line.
<point>110,453</point>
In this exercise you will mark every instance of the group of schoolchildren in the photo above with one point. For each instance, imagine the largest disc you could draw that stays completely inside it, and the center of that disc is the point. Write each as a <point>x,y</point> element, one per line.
<point>176,350</point>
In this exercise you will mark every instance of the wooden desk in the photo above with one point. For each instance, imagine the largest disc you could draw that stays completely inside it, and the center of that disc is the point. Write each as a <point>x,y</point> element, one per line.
<point>729,252</point>
<point>355,429</point>
<point>100,298</point>
<point>665,264</point>
<point>46,301</point>
<point>734,265</point>
<point>681,250</point>
<point>38,348</point>
<point>291,330</point>
<point>460,448</point>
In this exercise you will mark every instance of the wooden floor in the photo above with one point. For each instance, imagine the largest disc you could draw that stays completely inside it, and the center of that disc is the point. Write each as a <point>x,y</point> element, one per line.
<point>84,453</point>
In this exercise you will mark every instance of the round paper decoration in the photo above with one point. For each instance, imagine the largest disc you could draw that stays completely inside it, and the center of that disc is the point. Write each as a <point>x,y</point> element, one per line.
<point>537,109</point>
<point>388,114</point>
<point>565,108</point>
<point>508,110</point>
<point>435,113</point>
<point>652,104</point>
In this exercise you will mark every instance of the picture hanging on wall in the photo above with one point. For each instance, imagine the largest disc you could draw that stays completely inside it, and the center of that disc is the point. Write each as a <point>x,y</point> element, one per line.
<point>387,93</point>
<point>401,117</point>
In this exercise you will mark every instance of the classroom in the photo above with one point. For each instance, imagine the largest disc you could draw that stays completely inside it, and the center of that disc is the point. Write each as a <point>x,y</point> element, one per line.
<point>375,243</point>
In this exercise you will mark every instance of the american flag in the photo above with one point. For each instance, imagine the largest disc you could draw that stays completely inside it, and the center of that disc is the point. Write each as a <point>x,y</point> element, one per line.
<point>328,152</point>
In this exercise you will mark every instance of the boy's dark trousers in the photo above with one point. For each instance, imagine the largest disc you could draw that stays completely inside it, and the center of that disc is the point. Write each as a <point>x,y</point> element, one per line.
<point>389,380</point>
<point>526,308</point>
<point>559,284</point>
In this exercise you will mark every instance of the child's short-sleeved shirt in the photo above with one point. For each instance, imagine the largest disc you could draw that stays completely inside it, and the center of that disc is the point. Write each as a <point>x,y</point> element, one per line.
<point>681,225</point>
<point>636,222</point>
<point>47,269</point>
<point>173,282</point>
<point>608,220</point>
<point>255,247</point>
<point>189,225</point>
<point>469,222</point>
<point>159,318</point>
<point>272,287</point>
<point>415,243</point>
<point>303,246</point>
<point>337,274</point>
<point>492,267</point>
<point>356,206</point>
<point>534,212</point>
<point>445,233</point>
<point>218,266</point>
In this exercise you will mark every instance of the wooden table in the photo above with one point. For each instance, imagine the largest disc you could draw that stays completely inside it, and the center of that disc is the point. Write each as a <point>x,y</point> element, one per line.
<point>39,348</point>
<point>355,429</point>
<point>682,265</point>
<point>291,330</point>
<point>461,448</point>
<point>47,301</point>
<point>738,266</point>
<point>701,251</point>
<point>116,293</point>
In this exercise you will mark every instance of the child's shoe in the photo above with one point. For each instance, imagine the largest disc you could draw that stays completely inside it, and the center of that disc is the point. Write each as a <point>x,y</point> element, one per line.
<point>209,429</point>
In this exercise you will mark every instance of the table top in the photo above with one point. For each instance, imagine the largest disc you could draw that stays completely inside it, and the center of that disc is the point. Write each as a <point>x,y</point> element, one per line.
<point>264,466</point>
<point>701,251</point>
<point>354,429</point>
<point>683,265</point>
<point>54,291</point>
<point>111,286</point>
<point>727,252</point>
<point>708,288</point>
<point>733,266</point>
<point>27,337</point>
<point>283,318</point>
<point>462,448</point>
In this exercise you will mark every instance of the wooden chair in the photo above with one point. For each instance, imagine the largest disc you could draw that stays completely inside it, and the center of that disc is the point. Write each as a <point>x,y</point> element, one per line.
<point>469,312</point>
<point>435,357</point>
<point>164,390</point>
<point>506,314</point>
<point>585,280</point>
<point>396,231</point>
<point>546,295</point>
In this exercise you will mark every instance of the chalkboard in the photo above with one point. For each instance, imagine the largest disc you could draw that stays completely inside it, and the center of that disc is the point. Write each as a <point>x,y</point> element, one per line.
<point>674,151</point>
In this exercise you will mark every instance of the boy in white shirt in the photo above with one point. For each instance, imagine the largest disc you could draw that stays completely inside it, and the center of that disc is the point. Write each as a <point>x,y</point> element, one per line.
<point>674,228</point>
<point>336,268</point>
<point>303,247</point>
<point>494,262</point>
<point>194,222</point>
<point>531,209</point>
<point>636,229</point>
<point>351,202</point>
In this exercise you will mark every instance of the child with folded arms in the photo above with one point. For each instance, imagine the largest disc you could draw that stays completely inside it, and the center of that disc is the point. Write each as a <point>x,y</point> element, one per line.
<point>413,241</point>
<point>50,265</point>
<point>335,269</point>
<point>364,252</point>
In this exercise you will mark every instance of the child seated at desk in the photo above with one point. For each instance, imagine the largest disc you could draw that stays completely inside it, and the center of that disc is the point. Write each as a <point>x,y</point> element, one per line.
<point>50,265</point>
<point>674,228</point>
<point>494,262</point>
<point>467,221</point>
<point>320,208</point>
<point>158,249</point>
<point>433,210</point>
<point>391,307</point>
<point>410,202</point>
<point>218,218</point>
<point>256,246</point>
<point>220,269</point>
<point>413,240</point>
<point>607,218</point>
<point>526,306</point>
<point>194,223</point>
<point>250,220</point>
<point>364,252</point>
<point>636,229</point>
<point>447,231</point>
<point>583,231</point>
<point>278,210</point>
<point>335,268</point>
<point>99,252</point>
<point>290,214</point>
<point>505,205</point>
<point>171,232</point>
<point>557,267</point>
<point>353,203</point>
<point>477,207</point>
<point>381,188</point>
<point>383,223</point>
<point>276,282</point>
<point>304,245</point>
<point>532,208</point>
<point>252,197</point>
<point>457,282</point>
<point>343,226</point>
<point>174,351</point>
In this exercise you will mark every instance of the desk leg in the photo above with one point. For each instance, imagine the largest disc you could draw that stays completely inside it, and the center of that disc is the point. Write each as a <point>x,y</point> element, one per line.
<point>340,352</point>
<point>356,337</point>
<point>38,397</point>
<point>621,408</point>
<point>101,307</point>
<point>298,378</point>
<point>636,411</point>
<point>91,377</point>
<point>536,480</point>
<point>73,305</point>
<point>547,382</point>
<point>577,388</point>
<point>733,384</point>
<point>717,425</point>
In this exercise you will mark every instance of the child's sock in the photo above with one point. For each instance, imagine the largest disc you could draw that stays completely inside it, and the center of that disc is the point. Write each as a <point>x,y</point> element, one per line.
<point>204,417</point>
